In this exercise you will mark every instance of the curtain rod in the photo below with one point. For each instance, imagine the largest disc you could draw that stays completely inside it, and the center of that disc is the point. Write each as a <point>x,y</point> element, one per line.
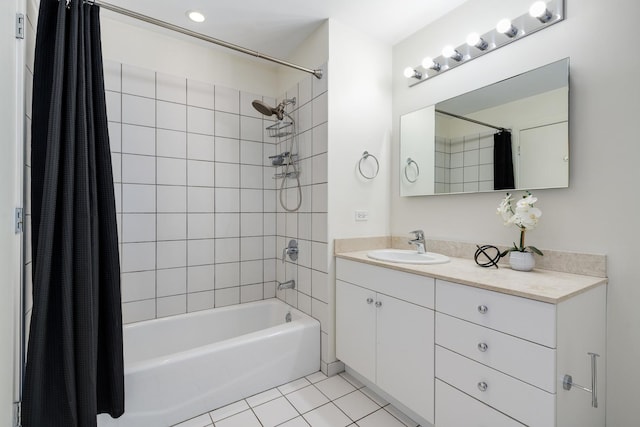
<point>471,120</point>
<point>182,30</point>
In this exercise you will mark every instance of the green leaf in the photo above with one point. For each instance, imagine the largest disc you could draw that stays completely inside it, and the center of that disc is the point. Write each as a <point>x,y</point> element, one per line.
<point>536,250</point>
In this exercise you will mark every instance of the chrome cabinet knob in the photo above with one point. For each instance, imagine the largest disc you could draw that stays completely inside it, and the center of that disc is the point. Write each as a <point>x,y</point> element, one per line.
<point>369,300</point>
<point>378,304</point>
<point>483,386</point>
<point>482,309</point>
<point>483,347</point>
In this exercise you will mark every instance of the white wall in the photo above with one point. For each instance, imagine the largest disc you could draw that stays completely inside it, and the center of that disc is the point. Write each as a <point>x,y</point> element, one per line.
<point>596,213</point>
<point>11,157</point>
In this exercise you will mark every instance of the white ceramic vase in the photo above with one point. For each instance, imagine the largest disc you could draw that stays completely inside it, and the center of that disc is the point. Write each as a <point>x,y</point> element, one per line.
<point>522,261</point>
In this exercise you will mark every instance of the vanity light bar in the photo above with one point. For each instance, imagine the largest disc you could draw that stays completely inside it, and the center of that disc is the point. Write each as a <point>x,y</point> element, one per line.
<point>540,15</point>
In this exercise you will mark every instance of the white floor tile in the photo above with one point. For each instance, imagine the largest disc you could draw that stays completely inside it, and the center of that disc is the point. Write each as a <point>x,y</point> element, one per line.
<point>335,387</point>
<point>201,421</point>
<point>307,398</point>
<point>243,419</point>
<point>328,416</point>
<point>229,410</point>
<point>380,418</point>
<point>293,386</point>
<point>399,415</point>
<point>318,376</point>
<point>263,397</point>
<point>380,401</point>
<point>356,405</point>
<point>275,412</point>
<point>296,422</point>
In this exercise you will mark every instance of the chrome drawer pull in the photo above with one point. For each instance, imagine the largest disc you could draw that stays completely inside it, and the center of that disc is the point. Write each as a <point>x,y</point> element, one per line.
<point>483,386</point>
<point>483,347</point>
<point>369,300</point>
<point>482,309</point>
<point>378,304</point>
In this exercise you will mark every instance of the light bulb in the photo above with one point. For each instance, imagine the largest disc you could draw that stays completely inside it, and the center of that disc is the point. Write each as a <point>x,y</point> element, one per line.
<point>410,72</point>
<point>429,63</point>
<point>450,52</point>
<point>539,10</point>
<point>476,41</point>
<point>195,16</point>
<point>505,27</point>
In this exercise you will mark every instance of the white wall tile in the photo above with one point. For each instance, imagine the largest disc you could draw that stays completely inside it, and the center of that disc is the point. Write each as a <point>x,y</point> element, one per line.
<point>319,227</point>
<point>227,250</point>
<point>138,111</point>
<point>200,252</point>
<point>138,169</point>
<point>246,109</point>
<point>319,168</point>
<point>227,275</point>
<point>170,306</point>
<point>269,271</point>
<point>319,197</point>
<point>138,228</point>
<point>200,226</point>
<point>304,303</point>
<point>112,75</point>
<point>172,198</point>
<point>305,90</point>
<point>227,199</point>
<point>471,142</point>
<point>171,88</point>
<point>320,109</point>
<point>172,226</point>
<point>291,224</point>
<point>319,256</point>
<point>138,81</point>
<point>304,280</point>
<point>251,129</point>
<point>172,254</point>
<point>251,248</point>
<point>117,192</point>
<point>227,175</point>
<point>485,173</point>
<point>250,224</point>
<point>116,170</point>
<point>269,224</point>
<point>200,174</point>
<point>305,118</point>
<point>171,143</point>
<point>138,310</point>
<point>172,281</point>
<point>304,226</point>
<point>270,200</point>
<point>138,140</point>
<point>115,139</point>
<point>114,106</point>
<point>201,199</point>
<point>304,145</point>
<point>251,153</point>
<point>250,272</point>
<point>320,138</point>
<point>486,155</point>
<point>457,160</point>
<point>456,175</point>
<point>320,311</point>
<point>138,198</point>
<point>304,253</point>
<point>200,120</point>
<point>171,116</point>
<point>471,158</point>
<point>227,150</point>
<point>227,125</point>
<point>320,285</point>
<point>251,293</point>
<point>250,176</point>
<point>250,200</point>
<point>200,147</point>
<point>228,296</point>
<point>471,173</point>
<point>471,186</point>
<point>227,99</point>
<point>200,94</point>
<point>200,278</point>
<point>198,301</point>
<point>227,225</point>
<point>171,171</point>
<point>138,286</point>
<point>138,257</point>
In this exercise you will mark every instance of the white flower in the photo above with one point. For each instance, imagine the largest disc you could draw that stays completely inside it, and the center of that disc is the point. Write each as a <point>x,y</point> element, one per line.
<point>505,210</point>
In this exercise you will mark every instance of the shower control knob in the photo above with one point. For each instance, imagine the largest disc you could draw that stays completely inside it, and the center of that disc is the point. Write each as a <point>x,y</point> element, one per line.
<point>483,347</point>
<point>378,304</point>
<point>483,386</point>
<point>369,300</point>
<point>483,309</point>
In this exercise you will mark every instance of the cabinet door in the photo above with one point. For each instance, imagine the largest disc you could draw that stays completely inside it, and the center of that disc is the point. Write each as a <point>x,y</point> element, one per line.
<point>405,367</point>
<point>355,328</point>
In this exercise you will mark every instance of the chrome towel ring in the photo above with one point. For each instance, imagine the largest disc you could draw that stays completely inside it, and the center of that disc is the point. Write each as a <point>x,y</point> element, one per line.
<point>407,166</point>
<point>364,157</point>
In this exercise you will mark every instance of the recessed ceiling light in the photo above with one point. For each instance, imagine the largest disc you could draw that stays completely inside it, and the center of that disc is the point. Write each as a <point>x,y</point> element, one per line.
<point>195,16</point>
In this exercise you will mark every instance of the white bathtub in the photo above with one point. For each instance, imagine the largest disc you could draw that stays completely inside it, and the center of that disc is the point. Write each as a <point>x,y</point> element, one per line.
<point>182,366</point>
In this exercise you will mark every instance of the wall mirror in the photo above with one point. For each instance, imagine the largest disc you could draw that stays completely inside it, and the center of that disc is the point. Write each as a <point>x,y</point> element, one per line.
<point>513,134</point>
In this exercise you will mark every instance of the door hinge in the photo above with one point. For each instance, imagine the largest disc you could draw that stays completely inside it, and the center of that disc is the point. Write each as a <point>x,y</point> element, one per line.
<point>19,220</point>
<point>17,410</point>
<point>19,25</point>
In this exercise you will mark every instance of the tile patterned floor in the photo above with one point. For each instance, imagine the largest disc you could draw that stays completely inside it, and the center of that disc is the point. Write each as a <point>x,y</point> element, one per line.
<point>312,401</point>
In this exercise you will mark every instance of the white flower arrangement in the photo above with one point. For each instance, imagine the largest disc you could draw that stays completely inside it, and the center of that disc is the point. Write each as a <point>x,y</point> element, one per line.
<point>524,216</point>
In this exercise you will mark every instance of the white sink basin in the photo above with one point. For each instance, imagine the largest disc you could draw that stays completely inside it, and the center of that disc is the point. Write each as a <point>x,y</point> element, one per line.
<point>407,257</point>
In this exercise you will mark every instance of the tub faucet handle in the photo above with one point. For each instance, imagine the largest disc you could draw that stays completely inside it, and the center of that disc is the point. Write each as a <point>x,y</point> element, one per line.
<point>291,250</point>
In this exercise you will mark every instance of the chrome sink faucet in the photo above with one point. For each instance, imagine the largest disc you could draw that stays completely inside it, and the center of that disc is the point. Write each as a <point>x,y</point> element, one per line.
<point>418,240</point>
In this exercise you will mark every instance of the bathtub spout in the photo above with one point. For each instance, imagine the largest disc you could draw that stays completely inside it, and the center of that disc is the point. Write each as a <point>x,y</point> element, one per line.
<point>289,284</point>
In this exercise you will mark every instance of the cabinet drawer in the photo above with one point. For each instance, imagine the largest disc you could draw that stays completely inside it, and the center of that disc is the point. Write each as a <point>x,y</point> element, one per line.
<point>528,319</point>
<point>527,361</point>
<point>526,403</point>
<point>398,284</point>
<point>456,409</point>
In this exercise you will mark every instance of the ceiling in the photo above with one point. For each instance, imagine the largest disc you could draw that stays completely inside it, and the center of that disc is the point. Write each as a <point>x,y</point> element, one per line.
<point>277,27</point>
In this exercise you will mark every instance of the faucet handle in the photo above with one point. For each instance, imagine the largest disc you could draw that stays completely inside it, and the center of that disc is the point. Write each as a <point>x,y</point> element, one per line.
<point>419,234</point>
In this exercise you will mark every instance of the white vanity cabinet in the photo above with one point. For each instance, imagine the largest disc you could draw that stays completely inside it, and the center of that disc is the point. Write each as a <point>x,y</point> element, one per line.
<point>385,331</point>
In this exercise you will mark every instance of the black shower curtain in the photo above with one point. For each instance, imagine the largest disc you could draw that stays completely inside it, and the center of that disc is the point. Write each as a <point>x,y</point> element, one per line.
<point>502,161</point>
<point>74,364</point>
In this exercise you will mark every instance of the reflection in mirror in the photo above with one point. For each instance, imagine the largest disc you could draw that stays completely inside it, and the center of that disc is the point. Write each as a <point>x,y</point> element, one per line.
<point>512,134</point>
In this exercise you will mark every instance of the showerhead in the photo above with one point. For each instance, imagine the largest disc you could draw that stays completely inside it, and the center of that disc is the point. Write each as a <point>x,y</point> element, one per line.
<point>268,111</point>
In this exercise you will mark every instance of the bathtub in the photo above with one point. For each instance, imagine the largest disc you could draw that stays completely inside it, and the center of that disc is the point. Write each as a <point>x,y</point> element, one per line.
<point>182,366</point>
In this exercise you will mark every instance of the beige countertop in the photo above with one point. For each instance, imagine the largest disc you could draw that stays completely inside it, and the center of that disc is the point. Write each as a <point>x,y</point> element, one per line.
<point>541,285</point>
